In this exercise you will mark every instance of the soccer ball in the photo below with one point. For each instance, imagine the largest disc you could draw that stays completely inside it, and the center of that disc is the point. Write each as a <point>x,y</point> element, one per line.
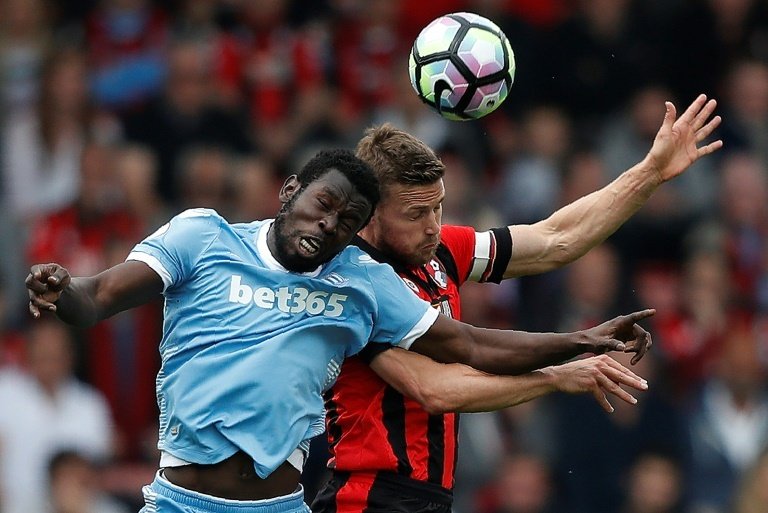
<point>462,65</point>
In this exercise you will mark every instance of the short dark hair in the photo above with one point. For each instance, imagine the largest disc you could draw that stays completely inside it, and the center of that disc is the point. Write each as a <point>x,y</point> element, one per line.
<point>359,174</point>
<point>397,157</point>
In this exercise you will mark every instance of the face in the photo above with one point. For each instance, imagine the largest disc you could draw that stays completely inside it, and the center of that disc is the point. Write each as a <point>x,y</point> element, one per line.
<point>316,221</point>
<point>406,224</point>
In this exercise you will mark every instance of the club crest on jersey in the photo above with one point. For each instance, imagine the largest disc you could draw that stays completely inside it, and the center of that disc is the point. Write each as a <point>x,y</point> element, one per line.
<point>437,273</point>
<point>411,285</point>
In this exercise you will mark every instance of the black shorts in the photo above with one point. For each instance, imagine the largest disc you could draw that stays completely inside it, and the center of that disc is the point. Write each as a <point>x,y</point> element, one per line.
<point>382,492</point>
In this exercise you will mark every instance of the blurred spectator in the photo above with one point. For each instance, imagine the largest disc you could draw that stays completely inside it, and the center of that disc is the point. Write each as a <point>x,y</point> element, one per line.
<point>368,43</point>
<point>752,493</point>
<point>136,170</point>
<point>126,41</point>
<point>198,20</point>
<point>595,450</point>
<point>75,488</point>
<point>531,181</point>
<point>96,232</point>
<point>41,146</point>
<point>654,484</point>
<point>25,37</point>
<point>591,289</point>
<point>728,423</point>
<point>524,485</point>
<point>597,57</point>
<point>45,409</point>
<point>745,120</point>
<point>185,115</point>
<point>256,189</point>
<point>204,180</point>
<point>741,227</point>
<point>280,63</point>
<point>692,64</point>
<point>691,320</point>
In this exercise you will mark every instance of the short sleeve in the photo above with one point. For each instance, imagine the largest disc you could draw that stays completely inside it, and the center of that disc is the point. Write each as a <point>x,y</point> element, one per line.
<point>173,249</point>
<point>401,316</point>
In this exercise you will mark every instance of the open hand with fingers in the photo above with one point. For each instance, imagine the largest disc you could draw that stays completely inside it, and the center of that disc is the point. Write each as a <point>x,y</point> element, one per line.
<point>598,375</point>
<point>45,283</point>
<point>677,143</point>
<point>621,333</point>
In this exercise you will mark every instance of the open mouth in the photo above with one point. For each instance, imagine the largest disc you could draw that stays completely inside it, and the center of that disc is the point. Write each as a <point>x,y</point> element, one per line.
<point>309,245</point>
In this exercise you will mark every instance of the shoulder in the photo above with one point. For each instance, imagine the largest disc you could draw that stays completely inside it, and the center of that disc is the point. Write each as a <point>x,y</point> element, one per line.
<point>200,221</point>
<point>356,262</point>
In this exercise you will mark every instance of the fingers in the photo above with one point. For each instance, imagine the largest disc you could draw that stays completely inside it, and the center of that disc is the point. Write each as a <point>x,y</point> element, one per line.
<point>602,399</point>
<point>693,109</point>
<point>703,115</point>
<point>710,148</point>
<point>34,282</point>
<point>644,344</point>
<point>617,373</point>
<point>634,317</point>
<point>669,116</point>
<point>609,386</point>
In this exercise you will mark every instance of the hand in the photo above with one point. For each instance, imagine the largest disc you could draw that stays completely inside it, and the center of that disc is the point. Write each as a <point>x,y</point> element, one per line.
<point>599,375</point>
<point>45,283</point>
<point>621,334</point>
<point>676,145</point>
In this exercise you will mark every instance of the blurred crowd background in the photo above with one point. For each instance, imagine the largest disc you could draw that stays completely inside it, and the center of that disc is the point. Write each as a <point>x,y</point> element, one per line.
<point>117,114</point>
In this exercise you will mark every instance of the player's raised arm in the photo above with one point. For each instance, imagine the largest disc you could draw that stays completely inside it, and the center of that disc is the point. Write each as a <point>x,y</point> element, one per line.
<point>576,228</point>
<point>517,352</point>
<point>441,388</point>
<point>84,301</point>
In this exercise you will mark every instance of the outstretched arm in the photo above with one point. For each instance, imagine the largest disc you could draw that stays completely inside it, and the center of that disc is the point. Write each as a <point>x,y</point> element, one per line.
<point>578,227</point>
<point>84,301</point>
<point>517,352</point>
<point>441,388</point>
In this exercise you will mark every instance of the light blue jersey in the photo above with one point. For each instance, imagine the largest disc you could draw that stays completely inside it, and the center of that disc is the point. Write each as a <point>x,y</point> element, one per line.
<point>248,348</point>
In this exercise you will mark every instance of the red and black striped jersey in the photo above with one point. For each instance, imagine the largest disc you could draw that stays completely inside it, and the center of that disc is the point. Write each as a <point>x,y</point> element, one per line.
<point>372,427</point>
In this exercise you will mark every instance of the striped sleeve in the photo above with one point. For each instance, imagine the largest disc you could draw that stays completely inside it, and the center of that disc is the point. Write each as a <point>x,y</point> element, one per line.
<point>493,251</point>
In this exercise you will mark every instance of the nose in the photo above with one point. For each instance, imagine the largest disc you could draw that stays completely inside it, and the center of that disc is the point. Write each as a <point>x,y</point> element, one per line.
<point>433,225</point>
<point>329,223</point>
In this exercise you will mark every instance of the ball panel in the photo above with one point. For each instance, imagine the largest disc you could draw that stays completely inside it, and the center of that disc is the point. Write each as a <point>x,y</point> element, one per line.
<point>481,52</point>
<point>437,36</point>
<point>476,19</point>
<point>441,82</point>
<point>486,98</point>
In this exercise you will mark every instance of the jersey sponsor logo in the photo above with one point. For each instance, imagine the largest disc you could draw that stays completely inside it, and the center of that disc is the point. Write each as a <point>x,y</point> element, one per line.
<point>287,299</point>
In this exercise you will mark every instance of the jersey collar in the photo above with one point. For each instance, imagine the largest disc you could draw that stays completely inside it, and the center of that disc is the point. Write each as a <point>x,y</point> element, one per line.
<point>262,248</point>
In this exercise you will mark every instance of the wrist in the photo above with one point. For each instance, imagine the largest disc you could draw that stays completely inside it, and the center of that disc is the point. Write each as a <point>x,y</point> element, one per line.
<point>549,377</point>
<point>652,172</point>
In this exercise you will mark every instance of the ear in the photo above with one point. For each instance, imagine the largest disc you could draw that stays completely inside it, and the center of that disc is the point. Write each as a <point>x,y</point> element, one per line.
<point>289,188</point>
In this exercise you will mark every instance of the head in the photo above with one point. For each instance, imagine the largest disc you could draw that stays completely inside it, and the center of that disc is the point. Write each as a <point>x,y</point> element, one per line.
<point>323,207</point>
<point>406,224</point>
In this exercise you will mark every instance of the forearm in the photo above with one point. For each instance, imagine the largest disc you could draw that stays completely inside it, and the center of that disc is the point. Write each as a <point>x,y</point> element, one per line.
<point>593,218</point>
<point>574,229</point>
<point>441,388</point>
<point>464,389</point>
<point>77,305</point>
<point>517,352</point>
<point>498,351</point>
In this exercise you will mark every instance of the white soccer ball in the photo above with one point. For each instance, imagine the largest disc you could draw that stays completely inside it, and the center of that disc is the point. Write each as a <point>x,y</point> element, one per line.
<point>462,65</point>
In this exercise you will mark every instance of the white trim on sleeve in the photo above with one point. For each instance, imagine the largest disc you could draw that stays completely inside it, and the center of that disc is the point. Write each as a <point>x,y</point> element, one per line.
<point>421,327</point>
<point>482,256</point>
<point>154,264</point>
